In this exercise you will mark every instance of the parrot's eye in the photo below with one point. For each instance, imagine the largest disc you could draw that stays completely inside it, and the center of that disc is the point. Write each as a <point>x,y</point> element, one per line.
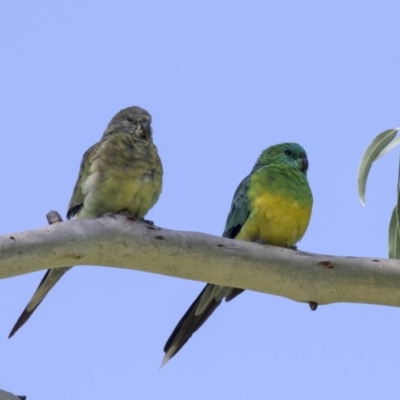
<point>289,152</point>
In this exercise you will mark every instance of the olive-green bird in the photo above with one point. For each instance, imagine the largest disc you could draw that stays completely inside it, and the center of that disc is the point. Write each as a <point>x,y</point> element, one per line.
<point>273,205</point>
<point>120,173</point>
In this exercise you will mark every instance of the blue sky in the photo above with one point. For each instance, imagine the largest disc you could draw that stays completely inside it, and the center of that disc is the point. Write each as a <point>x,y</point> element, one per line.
<point>222,80</point>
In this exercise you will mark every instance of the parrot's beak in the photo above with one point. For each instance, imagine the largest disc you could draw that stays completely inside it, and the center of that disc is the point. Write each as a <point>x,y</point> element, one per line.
<point>304,164</point>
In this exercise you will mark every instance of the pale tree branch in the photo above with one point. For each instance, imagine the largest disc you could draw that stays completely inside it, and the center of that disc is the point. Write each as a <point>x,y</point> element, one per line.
<point>121,242</point>
<point>9,396</point>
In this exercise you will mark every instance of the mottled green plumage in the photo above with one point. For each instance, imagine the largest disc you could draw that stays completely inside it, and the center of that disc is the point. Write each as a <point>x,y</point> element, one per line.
<point>120,173</point>
<point>272,204</point>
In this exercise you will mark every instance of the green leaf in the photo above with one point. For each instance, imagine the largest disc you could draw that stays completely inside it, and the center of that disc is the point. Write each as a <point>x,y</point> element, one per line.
<point>394,226</point>
<point>389,147</point>
<point>394,233</point>
<point>371,154</point>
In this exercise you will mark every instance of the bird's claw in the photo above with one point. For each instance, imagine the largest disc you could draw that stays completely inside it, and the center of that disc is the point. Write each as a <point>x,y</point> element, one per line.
<point>149,224</point>
<point>147,221</point>
<point>123,213</point>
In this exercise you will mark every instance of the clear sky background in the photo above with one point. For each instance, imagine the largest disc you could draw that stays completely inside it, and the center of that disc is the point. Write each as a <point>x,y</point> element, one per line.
<point>222,80</point>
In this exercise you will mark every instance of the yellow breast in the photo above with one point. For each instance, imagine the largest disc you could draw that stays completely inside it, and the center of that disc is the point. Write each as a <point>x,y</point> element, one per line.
<point>279,211</point>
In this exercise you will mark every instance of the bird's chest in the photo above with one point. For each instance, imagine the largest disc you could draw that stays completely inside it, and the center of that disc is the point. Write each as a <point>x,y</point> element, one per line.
<point>279,214</point>
<point>278,220</point>
<point>123,177</point>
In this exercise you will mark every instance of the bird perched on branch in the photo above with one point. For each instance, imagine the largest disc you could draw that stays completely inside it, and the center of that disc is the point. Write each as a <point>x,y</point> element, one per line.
<point>120,173</point>
<point>271,205</point>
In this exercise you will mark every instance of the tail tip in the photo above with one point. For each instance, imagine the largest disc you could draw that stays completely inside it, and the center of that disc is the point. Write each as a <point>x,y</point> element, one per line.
<point>168,355</point>
<point>13,330</point>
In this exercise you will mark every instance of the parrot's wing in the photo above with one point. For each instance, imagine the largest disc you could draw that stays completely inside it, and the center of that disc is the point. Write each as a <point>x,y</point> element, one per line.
<point>239,211</point>
<point>51,277</point>
<point>77,199</point>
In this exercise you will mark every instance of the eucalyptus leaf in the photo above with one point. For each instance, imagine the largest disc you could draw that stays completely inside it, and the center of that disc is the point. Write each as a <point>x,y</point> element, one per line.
<point>394,226</point>
<point>389,147</point>
<point>371,154</point>
<point>394,234</point>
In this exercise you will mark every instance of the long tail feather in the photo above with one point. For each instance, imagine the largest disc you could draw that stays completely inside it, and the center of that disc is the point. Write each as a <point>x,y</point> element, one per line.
<point>204,305</point>
<point>51,277</point>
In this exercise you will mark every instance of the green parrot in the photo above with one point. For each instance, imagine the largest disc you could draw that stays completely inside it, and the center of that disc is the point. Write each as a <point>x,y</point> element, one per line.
<point>271,205</point>
<point>120,173</point>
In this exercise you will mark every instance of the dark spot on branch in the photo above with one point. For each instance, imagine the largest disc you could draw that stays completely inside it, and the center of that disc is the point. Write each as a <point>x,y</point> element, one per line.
<point>159,237</point>
<point>376,260</point>
<point>220,245</point>
<point>326,264</point>
<point>313,305</point>
<point>12,238</point>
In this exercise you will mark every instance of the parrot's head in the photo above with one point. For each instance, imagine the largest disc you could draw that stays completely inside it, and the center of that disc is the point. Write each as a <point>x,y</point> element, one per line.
<point>133,120</point>
<point>289,153</point>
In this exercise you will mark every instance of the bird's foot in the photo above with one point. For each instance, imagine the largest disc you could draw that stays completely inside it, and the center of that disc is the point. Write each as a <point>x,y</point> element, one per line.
<point>293,248</point>
<point>123,213</point>
<point>149,224</point>
<point>261,241</point>
<point>147,221</point>
<point>313,305</point>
